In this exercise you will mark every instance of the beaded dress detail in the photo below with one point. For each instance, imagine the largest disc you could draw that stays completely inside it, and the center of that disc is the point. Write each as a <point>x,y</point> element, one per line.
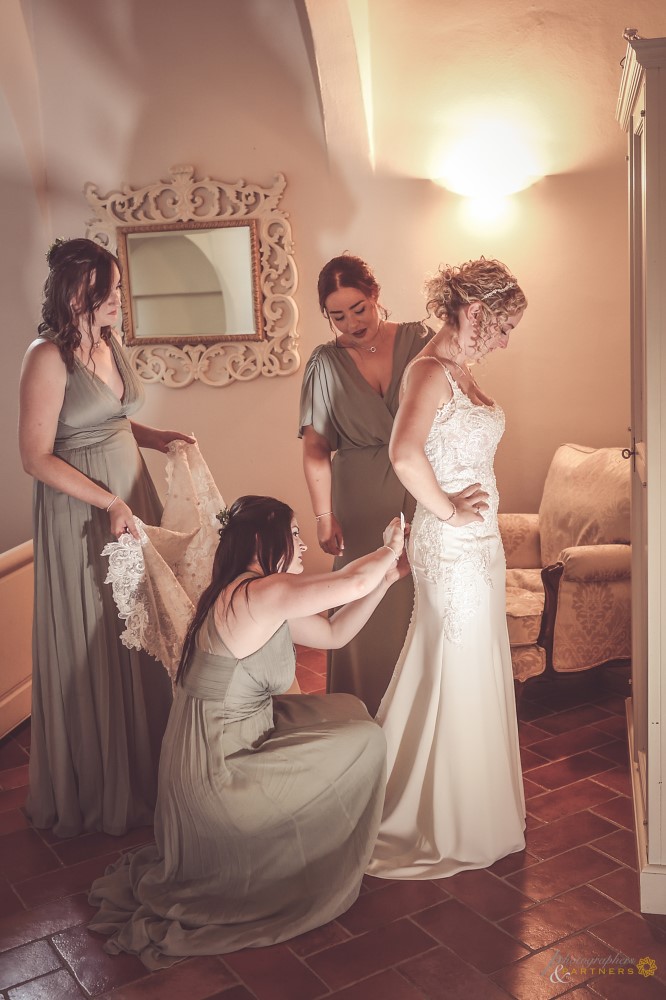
<point>460,447</point>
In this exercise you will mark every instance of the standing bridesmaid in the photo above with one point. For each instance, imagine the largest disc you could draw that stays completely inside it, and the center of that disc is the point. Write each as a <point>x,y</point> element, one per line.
<point>349,399</point>
<point>99,710</point>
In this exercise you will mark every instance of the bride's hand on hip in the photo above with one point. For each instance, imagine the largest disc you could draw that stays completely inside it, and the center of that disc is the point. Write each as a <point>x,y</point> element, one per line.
<point>470,504</point>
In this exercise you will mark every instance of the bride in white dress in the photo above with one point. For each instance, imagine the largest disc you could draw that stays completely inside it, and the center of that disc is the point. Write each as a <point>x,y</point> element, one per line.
<point>454,797</point>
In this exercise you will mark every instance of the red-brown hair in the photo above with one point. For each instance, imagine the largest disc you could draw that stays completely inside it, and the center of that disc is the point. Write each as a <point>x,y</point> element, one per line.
<point>346,271</point>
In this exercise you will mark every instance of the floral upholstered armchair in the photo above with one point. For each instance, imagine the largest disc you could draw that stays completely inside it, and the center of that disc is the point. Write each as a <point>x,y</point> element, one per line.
<point>569,566</point>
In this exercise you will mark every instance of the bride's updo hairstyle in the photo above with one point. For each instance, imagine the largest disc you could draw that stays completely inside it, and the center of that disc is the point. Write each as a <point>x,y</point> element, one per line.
<point>488,282</point>
<point>347,271</point>
<point>254,528</point>
<point>80,271</point>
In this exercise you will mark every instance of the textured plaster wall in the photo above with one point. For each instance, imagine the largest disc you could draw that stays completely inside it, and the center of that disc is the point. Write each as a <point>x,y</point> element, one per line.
<point>130,88</point>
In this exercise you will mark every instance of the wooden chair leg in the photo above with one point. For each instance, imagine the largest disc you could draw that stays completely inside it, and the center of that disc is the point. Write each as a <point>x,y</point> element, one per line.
<point>551,576</point>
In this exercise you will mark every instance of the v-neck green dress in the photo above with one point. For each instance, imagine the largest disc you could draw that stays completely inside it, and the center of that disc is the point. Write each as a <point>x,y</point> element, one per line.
<point>357,421</point>
<point>267,811</point>
<point>99,710</point>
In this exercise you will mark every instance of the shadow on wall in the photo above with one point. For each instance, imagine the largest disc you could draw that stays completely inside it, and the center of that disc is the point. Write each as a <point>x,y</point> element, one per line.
<point>22,270</point>
<point>242,102</point>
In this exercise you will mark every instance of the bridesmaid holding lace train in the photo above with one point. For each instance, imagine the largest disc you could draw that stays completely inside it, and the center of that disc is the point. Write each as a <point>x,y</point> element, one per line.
<point>454,797</point>
<point>98,709</point>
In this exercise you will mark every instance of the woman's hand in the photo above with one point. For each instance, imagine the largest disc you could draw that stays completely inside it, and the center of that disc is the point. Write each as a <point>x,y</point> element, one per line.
<point>153,437</point>
<point>122,520</point>
<point>394,536</point>
<point>468,503</point>
<point>329,535</point>
<point>164,438</point>
<point>401,567</point>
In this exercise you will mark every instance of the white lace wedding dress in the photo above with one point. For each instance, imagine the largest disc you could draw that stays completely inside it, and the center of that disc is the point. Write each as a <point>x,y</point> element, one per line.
<point>454,797</point>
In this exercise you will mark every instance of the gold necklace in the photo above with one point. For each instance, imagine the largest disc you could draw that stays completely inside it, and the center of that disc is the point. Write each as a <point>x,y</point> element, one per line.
<point>373,348</point>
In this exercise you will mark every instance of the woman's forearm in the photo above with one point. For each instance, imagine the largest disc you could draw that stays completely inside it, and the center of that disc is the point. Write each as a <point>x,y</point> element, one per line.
<point>58,474</point>
<point>366,572</point>
<point>318,476</point>
<point>416,475</point>
<point>156,437</point>
<point>144,435</point>
<point>346,622</point>
<point>282,595</point>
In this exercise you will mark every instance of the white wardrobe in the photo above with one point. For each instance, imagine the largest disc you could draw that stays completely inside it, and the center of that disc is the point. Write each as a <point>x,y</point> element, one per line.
<point>641,111</point>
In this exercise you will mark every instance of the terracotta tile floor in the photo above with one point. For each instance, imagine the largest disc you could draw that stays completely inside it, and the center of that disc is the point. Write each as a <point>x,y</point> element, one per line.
<point>480,935</point>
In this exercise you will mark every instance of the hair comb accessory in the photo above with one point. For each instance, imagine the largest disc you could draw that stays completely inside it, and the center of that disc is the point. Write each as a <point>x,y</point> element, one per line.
<point>58,241</point>
<point>223,518</point>
<point>498,291</point>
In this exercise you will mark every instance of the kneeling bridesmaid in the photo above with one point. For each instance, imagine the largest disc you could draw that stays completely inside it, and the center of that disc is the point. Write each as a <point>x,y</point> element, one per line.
<point>269,801</point>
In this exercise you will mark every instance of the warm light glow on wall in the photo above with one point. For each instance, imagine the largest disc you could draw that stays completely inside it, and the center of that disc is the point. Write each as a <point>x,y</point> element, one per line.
<point>489,213</point>
<point>488,159</point>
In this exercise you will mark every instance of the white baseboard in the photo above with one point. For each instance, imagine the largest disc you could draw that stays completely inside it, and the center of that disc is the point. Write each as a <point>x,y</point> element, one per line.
<point>652,878</point>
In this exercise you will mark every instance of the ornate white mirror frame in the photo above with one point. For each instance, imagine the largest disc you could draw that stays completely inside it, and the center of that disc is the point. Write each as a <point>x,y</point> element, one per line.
<point>183,199</point>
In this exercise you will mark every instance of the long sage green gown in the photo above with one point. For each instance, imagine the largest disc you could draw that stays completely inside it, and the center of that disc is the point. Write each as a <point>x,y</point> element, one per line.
<point>99,710</point>
<point>267,812</point>
<point>357,421</point>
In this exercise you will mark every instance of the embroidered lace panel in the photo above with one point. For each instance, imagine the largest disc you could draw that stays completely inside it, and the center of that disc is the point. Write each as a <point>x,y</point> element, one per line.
<point>461,448</point>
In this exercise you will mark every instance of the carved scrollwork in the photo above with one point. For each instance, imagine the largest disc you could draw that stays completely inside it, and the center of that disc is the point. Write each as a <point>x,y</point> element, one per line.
<point>185,199</point>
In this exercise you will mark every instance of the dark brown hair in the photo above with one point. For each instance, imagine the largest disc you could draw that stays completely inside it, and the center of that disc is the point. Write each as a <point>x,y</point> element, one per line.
<point>257,528</point>
<point>79,271</point>
<point>346,271</point>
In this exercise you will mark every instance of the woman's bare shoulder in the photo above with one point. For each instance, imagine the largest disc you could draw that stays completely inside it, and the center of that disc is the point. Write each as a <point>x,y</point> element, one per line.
<point>424,368</point>
<point>43,355</point>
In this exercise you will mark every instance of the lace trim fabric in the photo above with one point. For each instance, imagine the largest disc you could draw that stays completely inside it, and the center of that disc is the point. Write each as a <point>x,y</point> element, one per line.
<point>460,448</point>
<point>156,580</point>
<point>460,579</point>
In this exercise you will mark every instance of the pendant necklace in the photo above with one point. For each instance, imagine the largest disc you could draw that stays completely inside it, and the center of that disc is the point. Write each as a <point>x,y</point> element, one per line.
<point>373,348</point>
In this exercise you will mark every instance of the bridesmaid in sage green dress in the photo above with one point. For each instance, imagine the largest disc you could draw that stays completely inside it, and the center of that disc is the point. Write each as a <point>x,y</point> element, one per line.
<point>99,710</point>
<point>349,399</point>
<point>269,800</point>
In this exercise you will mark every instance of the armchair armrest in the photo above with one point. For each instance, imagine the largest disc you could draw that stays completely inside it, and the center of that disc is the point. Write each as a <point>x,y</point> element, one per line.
<point>522,544</point>
<point>593,617</point>
<point>596,563</point>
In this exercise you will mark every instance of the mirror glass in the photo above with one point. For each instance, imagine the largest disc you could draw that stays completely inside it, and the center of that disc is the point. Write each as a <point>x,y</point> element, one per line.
<point>190,282</point>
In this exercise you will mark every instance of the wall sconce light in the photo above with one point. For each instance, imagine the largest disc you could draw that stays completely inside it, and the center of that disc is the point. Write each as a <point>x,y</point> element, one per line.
<point>488,160</point>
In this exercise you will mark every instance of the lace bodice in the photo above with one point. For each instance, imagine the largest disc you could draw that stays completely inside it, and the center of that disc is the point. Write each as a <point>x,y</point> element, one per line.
<point>461,448</point>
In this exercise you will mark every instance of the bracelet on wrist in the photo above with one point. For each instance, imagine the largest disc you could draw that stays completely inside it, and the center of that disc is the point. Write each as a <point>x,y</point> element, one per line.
<point>454,511</point>
<point>325,514</point>
<point>111,504</point>
<point>391,549</point>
